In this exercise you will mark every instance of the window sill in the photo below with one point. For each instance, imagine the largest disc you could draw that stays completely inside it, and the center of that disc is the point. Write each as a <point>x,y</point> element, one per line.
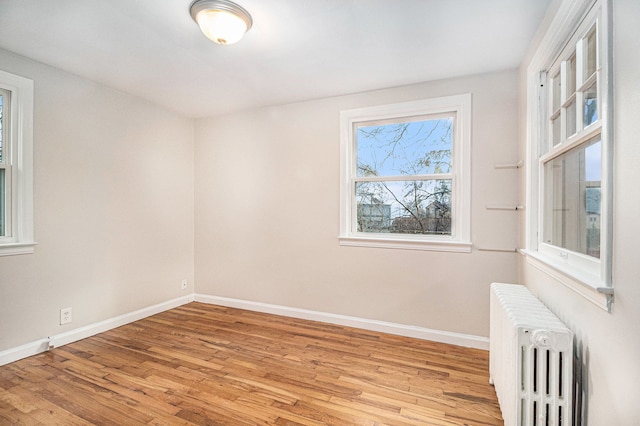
<point>406,244</point>
<point>11,249</point>
<point>586,285</point>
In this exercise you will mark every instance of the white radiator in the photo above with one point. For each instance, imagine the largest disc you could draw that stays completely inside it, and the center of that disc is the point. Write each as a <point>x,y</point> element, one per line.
<point>530,359</point>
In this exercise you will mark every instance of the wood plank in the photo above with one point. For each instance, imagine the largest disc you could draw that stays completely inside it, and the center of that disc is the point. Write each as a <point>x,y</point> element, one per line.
<point>206,364</point>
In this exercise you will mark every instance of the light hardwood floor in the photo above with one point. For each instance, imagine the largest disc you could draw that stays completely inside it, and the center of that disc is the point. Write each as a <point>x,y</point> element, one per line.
<point>211,365</point>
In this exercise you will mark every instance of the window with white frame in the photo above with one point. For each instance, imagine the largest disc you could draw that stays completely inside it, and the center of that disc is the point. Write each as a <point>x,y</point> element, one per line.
<point>570,152</point>
<point>16,164</point>
<point>5,167</point>
<point>405,175</point>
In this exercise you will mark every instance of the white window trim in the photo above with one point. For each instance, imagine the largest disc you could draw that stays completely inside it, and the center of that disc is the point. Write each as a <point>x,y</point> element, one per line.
<point>595,287</point>
<point>20,140</point>
<point>460,240</point>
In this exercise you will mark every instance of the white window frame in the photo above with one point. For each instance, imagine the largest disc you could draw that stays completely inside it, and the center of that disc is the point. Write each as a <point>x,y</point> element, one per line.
<point>587,276</point>
<point>460,238</point>
<point>19,166</point>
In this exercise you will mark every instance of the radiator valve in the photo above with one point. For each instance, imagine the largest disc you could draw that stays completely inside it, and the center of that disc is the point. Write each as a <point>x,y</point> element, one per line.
<point>542,338</point>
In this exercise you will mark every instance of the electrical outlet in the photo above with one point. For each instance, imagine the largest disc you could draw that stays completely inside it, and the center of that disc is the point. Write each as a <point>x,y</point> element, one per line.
<point>65,316</point>
<point>183,284</point>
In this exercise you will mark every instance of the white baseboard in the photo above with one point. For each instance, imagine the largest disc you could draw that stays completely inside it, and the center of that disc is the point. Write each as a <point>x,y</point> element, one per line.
<point>41,345</point>
<point>465,340</point>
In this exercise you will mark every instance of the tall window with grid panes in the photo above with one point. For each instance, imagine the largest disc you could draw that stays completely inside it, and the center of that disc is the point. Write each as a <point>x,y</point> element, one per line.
<point>572,159</point>
<point>572,186</point>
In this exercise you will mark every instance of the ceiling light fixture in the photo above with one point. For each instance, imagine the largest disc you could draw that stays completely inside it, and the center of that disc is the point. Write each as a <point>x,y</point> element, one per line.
<point>222,21</point>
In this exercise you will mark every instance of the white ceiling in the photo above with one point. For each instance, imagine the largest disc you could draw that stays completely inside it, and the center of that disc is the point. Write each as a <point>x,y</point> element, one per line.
<point>297,49</point>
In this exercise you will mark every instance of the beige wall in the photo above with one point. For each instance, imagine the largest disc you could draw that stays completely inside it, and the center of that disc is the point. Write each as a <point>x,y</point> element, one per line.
<point>114,217</point>
<point>267,214</point>
<point>610,342</point>
<point>114,211</point>
<point>113,195</point>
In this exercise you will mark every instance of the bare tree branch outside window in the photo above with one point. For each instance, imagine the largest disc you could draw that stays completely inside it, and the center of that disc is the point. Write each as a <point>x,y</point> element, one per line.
<point>405,186</point>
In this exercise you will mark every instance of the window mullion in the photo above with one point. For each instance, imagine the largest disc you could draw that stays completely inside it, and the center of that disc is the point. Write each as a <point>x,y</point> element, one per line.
<point>580,81</point>
<point>569,100</point>
<point>439,176</point>
<point>580,58</point>
<point>564,112</point>
<point>572,143</point>
<point>579,111</point>
<point>588,82</point>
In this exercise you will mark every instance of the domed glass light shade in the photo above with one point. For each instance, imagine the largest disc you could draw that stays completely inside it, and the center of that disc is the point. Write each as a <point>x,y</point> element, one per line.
<point>222,21</point>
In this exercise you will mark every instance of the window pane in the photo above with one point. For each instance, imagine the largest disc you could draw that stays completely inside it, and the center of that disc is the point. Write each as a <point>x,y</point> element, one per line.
<point>3,206</point>
<point>406,207</point>
<point>590,105</point>
<point>555,125</point>
<point>556,91</point>
<point>3,200</point>
<point>591,54</point>
<point>571,118</point>
<point>572,199</point>
<point>1,125</point>
<point>571,76</point>
<point>405,148</point>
